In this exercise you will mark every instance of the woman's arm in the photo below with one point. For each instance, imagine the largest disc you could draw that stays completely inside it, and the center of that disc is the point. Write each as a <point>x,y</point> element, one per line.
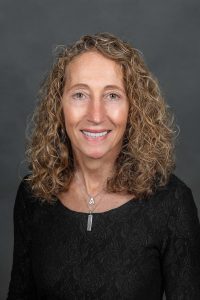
<point>21,283</point>
<point>181,255</point>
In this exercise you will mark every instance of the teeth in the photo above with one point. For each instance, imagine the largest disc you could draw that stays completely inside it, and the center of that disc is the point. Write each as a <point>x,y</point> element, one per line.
<point>95,135</point>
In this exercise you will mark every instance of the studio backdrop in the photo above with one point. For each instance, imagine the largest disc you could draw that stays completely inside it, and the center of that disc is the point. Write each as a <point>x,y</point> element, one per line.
<point>166,32</point>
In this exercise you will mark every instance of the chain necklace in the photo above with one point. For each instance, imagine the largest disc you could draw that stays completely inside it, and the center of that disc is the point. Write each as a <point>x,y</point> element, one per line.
<point>91,206</point>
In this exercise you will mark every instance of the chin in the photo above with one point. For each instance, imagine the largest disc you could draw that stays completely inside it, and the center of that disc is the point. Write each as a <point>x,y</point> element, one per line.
<point>95,155</point>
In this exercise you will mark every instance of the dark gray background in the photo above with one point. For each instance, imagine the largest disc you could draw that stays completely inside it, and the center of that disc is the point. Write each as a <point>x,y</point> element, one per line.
<point>167,32</point>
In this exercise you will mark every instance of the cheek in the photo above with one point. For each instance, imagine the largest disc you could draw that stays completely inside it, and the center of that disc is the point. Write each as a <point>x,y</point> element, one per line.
<point>120,116</point>
<point>72,116</point>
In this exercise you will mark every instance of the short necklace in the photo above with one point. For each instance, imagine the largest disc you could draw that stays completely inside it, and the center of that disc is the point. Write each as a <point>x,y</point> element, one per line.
<point>91,206</point>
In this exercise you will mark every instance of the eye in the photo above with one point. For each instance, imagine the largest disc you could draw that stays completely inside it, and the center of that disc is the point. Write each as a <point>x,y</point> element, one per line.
<point>78,95</point>
<point>114,96</point>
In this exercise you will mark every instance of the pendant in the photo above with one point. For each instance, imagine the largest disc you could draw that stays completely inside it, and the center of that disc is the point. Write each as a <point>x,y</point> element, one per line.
<point>89,222</point>
<point>91,201</point>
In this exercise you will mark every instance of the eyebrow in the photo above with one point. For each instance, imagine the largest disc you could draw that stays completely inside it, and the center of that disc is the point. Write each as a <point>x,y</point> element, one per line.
<point>110,86</point>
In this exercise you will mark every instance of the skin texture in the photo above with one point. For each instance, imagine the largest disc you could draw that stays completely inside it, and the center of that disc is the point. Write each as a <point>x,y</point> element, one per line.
<point>94,106</point>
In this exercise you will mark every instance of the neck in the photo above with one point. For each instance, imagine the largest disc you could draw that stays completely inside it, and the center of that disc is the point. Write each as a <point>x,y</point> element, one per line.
<point>93,173</point>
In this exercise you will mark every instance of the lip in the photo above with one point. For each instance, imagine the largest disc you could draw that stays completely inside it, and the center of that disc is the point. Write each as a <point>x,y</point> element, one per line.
<point>95,130</point>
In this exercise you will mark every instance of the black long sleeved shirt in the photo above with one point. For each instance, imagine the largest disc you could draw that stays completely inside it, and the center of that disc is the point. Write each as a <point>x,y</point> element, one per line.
<point>135,251</point>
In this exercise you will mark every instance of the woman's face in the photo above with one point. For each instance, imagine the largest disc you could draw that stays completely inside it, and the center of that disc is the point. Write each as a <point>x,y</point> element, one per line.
<point>95,106</point>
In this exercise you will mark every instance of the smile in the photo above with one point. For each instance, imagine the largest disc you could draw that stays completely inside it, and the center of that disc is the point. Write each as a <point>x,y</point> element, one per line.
<point>95,135</point>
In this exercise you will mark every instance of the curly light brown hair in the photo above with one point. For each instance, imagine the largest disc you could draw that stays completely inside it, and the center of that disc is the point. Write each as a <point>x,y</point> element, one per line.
<point>147,157</point>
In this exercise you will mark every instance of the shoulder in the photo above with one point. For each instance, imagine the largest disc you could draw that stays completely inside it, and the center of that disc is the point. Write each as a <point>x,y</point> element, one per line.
<point>24,185</point>
<point>176,188</point>
<point>25,199</point>
<point>24,188</point>
<point>176,202</point>
<point>173,201</point>
<point>175,183</point>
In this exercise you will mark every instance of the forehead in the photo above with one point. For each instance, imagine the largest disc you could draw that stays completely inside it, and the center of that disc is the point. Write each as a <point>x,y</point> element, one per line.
<point>91,66</point>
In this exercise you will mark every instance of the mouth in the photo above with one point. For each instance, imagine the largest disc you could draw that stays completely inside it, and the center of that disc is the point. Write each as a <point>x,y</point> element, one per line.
<point>95,134</point>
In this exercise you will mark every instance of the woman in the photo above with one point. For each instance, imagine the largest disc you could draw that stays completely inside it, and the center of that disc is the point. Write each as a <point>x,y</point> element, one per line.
<point>101,214</point>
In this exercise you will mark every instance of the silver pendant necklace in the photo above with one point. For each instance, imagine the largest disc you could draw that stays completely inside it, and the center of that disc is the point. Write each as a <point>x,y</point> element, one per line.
<point>91,203</point>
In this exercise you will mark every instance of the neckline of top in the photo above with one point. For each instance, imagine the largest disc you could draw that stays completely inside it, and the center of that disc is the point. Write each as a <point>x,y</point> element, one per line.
<point>112,210</point>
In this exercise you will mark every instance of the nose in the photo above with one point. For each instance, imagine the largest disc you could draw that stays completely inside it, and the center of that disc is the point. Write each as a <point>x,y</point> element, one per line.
<point>96,111</point>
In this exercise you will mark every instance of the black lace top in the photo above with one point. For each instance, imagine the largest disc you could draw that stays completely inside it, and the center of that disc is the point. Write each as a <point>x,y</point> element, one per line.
<point>136,251</point>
